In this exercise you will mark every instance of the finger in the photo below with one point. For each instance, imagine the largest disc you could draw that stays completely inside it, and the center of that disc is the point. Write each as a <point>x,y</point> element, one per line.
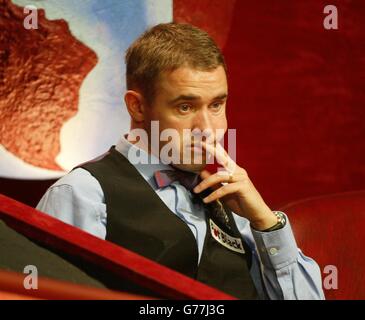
<point>222,192</point>
<point>205,174</point>
<point>221,155</point>
<point>216,179</point>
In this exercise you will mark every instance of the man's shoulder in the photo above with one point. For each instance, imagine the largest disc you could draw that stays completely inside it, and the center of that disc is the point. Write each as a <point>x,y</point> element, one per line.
<point>81,182</point>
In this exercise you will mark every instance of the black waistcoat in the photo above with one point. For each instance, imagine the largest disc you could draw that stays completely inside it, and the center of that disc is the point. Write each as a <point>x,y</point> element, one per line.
<point>138,220</point>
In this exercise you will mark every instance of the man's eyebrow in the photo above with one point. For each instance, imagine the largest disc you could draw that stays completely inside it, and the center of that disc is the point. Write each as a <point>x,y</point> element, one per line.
<point>185,97</point>
<point>221,96</point>
<point>191,97</point>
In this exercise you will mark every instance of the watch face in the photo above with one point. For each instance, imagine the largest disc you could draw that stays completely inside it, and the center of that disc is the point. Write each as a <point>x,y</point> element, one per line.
<point>281,218</point>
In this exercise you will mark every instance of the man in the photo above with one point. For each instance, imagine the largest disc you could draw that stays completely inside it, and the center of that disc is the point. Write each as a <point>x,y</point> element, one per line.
<point>212,227</point>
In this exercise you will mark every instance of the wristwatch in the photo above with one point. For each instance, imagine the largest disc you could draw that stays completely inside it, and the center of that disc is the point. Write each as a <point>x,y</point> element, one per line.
<point>280,224</point>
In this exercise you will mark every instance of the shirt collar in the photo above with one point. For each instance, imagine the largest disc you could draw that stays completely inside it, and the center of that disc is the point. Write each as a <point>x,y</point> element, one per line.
<point>148,169</point>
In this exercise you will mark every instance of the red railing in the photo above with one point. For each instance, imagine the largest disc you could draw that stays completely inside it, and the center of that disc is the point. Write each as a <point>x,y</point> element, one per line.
<point>122,262</point>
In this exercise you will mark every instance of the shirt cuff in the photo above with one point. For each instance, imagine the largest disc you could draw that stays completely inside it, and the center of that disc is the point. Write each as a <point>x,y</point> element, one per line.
<point>277,249</point>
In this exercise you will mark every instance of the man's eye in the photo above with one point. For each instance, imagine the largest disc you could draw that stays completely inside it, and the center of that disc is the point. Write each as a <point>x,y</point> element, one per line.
<point>216,106</point>
<point>184,108</point>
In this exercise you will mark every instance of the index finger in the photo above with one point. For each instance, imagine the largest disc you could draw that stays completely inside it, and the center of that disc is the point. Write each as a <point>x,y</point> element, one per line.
<point>221,155</point>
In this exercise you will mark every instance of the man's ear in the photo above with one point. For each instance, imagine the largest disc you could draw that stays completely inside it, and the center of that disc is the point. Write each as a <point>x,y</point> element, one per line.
<point>135,105</point>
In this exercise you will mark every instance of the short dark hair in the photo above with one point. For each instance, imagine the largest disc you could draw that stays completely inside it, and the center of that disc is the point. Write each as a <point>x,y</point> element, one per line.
<point>166,47</point>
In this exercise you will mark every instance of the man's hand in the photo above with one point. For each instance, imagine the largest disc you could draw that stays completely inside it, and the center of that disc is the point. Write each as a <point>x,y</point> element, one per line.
<point>235,189</point>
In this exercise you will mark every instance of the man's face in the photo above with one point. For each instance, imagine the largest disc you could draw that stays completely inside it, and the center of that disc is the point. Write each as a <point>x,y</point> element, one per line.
<point>190,99</point>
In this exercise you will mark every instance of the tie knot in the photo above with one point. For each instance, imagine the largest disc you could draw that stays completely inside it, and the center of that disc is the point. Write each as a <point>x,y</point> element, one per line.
<point>164,178</point>
<point>189,180</point>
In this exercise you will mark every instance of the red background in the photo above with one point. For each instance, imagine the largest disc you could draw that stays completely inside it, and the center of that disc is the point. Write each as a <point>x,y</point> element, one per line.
<point>296,94</point>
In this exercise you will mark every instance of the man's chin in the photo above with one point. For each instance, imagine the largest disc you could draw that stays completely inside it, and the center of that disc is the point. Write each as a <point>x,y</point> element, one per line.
<point>195,168</point>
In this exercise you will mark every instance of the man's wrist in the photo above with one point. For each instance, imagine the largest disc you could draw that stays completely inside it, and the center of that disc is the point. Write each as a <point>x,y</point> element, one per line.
<point>280,222</point>
<point>265,222</point>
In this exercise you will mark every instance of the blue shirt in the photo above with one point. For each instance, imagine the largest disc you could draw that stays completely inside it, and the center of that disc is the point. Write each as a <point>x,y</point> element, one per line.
<point>279,269</point>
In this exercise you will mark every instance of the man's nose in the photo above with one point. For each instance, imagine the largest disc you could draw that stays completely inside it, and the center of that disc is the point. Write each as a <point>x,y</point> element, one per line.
<point>202,128</point>
<point>202,121</point>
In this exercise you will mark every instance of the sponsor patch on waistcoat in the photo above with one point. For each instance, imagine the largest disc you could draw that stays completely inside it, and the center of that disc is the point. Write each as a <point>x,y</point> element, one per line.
<point>232,243</point>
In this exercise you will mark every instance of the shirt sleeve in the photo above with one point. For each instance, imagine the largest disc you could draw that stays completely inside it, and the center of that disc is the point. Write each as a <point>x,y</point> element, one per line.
<point>77,199</point>
<point>286,272</point>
